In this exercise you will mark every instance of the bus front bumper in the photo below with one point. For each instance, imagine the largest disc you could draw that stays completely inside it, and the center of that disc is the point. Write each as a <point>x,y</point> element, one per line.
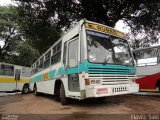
<point>110,90</point>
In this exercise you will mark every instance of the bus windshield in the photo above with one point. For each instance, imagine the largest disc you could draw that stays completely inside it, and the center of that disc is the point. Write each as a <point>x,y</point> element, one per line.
<point>103,48</point>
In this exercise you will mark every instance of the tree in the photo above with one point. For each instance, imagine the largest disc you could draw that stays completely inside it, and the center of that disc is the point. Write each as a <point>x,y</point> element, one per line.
<point>37,26</point>
<point>140,15</point>
<point>8,32</point>
<point>25,55</point>
<point>16,49</point>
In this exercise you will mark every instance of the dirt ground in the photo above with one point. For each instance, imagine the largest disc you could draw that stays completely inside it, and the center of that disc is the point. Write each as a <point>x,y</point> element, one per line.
<point>45,107</point>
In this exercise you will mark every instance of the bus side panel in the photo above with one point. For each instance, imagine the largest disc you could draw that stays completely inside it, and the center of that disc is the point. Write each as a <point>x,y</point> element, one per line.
<point>31,86</point>
<point>7,83</point>
<point>148,82</point>
<point>46,86</point>
<point>148,76</point>
<point>10,84</point>
<point>7,86</point>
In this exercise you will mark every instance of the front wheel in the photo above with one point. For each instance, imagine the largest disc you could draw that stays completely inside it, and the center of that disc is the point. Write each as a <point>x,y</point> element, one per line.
<point>64,99</point>
<point>25,89</point>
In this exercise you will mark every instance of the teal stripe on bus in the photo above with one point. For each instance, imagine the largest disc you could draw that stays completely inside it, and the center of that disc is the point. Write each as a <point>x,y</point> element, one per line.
<point>89,68</point>
<point>51,74</point>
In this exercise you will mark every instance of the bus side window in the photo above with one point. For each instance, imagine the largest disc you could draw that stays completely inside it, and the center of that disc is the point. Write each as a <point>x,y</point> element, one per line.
<point>73,53</point>
<point>1,71</point>
<point>17,74</point>
<point>47,59</point>
<point>41,64</point>
<point>65,54</point>
<point>26,72</point>
<point>158,56</point>
<point>7,70</point>
<point>56,57</point>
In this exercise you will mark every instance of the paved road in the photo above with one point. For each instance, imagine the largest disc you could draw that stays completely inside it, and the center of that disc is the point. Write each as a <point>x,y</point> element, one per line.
<point>114,107</point>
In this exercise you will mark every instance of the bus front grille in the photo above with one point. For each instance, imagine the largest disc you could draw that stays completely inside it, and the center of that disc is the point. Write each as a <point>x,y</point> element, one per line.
<point>110,75</point>
<point>110,79</point>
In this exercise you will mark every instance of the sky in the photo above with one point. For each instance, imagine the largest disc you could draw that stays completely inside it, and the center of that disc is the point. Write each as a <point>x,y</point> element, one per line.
<point>5,2</point>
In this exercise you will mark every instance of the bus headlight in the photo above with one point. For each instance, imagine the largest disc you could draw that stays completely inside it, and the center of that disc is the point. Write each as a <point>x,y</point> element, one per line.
<point>98,81</point>
<point>95,81</point>
<point>92,82</point>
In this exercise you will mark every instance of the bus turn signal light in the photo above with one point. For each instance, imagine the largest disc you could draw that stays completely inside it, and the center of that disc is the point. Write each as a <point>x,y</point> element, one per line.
<point>87,82</point>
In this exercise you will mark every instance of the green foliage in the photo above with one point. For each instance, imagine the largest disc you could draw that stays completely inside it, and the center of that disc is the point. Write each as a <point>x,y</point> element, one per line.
<point>25,55</point>
<point>8,31</point>
<point>15,50</point>
<point>40,19</point>
<point>36,27</point>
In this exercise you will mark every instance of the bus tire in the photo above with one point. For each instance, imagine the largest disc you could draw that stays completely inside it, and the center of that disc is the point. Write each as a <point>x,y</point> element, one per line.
<point>25,89</point>
<point>158,85</point>
<point>57,90</point>
<point>64,99</point>
<point>35,91</point>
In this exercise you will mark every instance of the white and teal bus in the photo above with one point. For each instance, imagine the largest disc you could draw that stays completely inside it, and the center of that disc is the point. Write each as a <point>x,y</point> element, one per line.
<point>90,61</point>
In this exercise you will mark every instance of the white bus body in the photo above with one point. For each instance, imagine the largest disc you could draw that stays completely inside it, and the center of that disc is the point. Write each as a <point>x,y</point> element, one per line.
<point>71,68</point>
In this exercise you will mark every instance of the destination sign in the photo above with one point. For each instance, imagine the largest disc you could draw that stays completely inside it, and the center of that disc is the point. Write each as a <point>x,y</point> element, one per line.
<point>105,29</point>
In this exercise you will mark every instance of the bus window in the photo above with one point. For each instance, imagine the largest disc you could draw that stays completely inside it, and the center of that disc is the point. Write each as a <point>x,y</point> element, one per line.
<point>17,74</point>
<point>158,52</point>
<point>7,70</point>
<point>147,57</point>
<point>65,54</point>
<point>41,64</point>
<point>59,46</point>
<point>56,57</point>
<point>158,56</point>
<point>47,59</point>
<point>73,53</point>
<point>26,72</point>
<point>1,71</point>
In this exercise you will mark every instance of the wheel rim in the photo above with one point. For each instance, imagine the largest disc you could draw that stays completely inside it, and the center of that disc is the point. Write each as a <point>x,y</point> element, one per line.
<point>26,90</point>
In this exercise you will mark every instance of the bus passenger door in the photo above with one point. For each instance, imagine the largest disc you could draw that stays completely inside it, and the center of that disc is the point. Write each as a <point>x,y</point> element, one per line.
<point>72,66</point>
<point>18,78</point>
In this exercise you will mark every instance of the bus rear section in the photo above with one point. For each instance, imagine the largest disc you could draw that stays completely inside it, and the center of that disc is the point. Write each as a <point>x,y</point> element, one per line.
<point>148,68</point>
<point>90,61</point>
<point>14,78</point>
